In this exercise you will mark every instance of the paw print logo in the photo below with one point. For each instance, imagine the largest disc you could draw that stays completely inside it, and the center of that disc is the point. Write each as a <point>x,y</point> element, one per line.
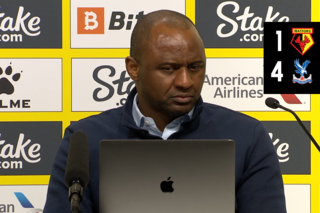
<point>6,79</point>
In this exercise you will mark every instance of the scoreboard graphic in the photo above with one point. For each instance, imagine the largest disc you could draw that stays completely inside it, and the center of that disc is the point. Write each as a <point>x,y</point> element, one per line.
<point>291,58</point>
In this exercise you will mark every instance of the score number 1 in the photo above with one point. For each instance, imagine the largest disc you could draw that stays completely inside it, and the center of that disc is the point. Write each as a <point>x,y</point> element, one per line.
<point>277,71</point>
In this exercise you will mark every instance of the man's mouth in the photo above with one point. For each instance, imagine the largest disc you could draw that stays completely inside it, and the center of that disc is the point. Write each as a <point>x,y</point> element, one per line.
<point>182,99</point>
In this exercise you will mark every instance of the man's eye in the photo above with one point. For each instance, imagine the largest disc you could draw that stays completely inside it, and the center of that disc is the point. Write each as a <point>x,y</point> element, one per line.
<point>196,67</point>
<point>166,68</point>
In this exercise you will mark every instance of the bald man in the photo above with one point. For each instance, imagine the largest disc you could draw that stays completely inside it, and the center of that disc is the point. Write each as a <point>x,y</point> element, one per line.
<point>167,63</point>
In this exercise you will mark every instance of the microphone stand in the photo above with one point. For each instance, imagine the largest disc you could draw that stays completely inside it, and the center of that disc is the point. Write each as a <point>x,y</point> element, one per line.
<point>75,197</point>
<point>301,124</point>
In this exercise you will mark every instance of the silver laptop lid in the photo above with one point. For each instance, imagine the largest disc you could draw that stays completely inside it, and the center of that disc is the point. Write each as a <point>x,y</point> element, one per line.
<point>171,176</point>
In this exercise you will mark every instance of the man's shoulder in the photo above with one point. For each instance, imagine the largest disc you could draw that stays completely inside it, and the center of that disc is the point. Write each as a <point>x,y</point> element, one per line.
<point>214,111</point>
<point>108,117</point>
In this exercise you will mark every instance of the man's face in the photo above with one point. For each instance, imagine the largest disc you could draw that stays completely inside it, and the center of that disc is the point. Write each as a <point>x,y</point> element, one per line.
<point>171,72</point>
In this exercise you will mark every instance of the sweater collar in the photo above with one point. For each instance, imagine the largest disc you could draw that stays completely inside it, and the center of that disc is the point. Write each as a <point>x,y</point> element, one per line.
<point>127,118</point>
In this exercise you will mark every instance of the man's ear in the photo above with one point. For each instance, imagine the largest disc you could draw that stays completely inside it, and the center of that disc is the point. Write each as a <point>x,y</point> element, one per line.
<point>132,68</point>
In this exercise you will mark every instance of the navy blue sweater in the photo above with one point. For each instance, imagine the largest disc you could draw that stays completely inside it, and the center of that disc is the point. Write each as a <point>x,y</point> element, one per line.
<point>259,186</point>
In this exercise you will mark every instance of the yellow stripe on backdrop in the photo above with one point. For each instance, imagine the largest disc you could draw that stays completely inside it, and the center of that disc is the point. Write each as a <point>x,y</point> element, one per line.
<point>66,116</point>
<point>25,180</point>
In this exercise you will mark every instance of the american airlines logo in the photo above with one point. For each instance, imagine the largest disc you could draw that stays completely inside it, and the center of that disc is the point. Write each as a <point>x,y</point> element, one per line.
<point>231,86</point>
<point>291,99</point>
<point>237,83</point>
<point>22,198</point>
<point>26,204</point>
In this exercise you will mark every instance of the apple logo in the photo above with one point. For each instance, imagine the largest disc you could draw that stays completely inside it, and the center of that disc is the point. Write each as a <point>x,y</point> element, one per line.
<point>166,185</point>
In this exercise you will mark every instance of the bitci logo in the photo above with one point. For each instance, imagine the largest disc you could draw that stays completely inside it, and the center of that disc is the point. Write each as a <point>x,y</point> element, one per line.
<point>108,24</point>
<point>91,20</point>
<point>7,78</point>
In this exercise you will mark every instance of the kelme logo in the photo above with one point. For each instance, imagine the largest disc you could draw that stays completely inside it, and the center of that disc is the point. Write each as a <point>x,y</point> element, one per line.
<point>7,79</point>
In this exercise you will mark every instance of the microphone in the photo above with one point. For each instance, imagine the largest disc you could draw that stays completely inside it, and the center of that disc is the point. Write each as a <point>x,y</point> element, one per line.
<point>77,169</point>
<point>274,104</point>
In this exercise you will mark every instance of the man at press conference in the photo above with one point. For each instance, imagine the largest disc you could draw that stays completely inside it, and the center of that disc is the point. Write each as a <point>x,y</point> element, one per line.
<point>167,62</point>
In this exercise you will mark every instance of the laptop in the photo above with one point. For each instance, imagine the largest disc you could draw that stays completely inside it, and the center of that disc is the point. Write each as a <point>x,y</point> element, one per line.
<point>167,176</point>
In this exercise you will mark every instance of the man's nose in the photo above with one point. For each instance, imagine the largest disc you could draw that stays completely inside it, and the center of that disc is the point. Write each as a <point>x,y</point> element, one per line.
<point>183,79</point>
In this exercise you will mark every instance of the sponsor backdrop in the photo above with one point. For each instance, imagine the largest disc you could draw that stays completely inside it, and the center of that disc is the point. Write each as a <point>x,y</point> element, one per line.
<point>63,61</point>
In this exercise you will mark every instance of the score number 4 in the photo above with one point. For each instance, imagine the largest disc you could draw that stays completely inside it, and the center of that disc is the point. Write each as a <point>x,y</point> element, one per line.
<point>277,71</point>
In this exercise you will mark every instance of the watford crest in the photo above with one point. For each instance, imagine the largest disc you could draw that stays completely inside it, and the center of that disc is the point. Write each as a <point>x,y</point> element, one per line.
<point>302,39</point>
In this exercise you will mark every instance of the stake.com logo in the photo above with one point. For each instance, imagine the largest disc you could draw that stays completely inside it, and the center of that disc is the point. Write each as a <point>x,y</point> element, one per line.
<point>25,203</point>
